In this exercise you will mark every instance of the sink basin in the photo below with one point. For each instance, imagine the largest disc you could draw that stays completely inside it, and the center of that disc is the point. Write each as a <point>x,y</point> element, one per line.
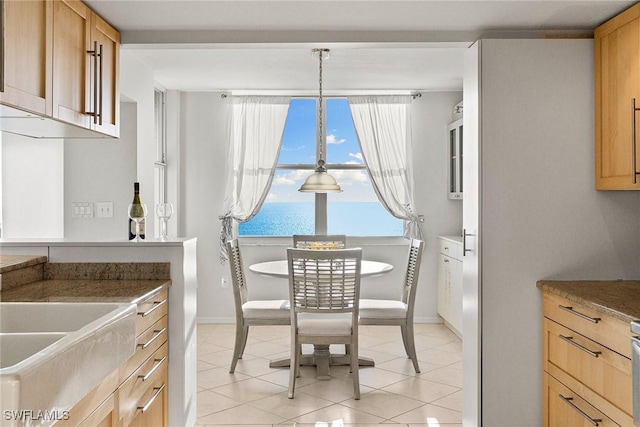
<point>53,354</point>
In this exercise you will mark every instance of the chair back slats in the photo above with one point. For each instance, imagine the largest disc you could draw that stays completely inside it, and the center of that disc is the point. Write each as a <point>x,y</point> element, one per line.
<point>311,241</point>
<point>238,280</point>
<point>413,271</point>
<point>322,281</point>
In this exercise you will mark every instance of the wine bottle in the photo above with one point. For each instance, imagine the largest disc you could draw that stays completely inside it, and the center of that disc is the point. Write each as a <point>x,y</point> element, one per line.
<point>132,224</point>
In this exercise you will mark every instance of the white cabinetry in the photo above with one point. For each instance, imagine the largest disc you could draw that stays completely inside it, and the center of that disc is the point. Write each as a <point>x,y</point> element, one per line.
<point>455,150</point>
<point>450,282</point>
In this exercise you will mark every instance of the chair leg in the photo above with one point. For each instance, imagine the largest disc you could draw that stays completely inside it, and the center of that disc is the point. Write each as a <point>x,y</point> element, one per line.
<point>410,345</point>
<point>294,367</point>
<point>355,370</point>
<point>238,347</point>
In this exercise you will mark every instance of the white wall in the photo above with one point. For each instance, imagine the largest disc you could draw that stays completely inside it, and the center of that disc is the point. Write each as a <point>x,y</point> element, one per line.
<point>102,170</point>
<point>540,215</point>
<point>32,187</point>
<point>203,124</point>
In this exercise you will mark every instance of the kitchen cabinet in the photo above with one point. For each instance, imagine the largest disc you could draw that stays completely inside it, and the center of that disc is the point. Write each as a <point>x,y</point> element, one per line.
<point>27,55</point>
<point>587,365</point>
<point>85,68</point>
<point>617,85</point>
<point>450,283</point>
<point>455,153</point>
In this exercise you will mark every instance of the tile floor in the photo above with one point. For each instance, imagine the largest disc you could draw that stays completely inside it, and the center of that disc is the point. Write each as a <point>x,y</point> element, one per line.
<point>391,392</point>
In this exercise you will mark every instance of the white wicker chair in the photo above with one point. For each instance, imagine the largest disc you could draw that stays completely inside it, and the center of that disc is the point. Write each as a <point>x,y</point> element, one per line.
<point>398,312</point>
<point>250,312</point>
<point>324,283</point>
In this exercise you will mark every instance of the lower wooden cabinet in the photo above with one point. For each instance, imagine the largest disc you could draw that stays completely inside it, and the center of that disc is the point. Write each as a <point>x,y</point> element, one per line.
<point>136,394</point>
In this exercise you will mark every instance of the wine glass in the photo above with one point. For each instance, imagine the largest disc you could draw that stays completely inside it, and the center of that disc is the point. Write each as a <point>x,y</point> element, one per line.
<point>164,212</point>
<point>137,212</point>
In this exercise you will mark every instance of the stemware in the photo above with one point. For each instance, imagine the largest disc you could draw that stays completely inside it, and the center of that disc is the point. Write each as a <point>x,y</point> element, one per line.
<point>137,212</point>
<point>164,212</point>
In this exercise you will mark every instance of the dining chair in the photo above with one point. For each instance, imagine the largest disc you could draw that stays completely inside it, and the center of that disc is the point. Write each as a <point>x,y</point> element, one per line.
<point>322,286</point>
<point>319,241</point>
<point>398,312</point>
<point>250,312</point>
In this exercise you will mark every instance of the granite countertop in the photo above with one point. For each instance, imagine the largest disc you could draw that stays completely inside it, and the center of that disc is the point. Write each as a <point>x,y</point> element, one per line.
<point>15,262</point>
<point>616,298</point>
<point>125,291</point>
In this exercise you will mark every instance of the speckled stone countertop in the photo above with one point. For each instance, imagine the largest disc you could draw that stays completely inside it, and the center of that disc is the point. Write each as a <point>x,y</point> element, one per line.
<point>14,262</point>
<point>126,291</point>
<point>617,298</point>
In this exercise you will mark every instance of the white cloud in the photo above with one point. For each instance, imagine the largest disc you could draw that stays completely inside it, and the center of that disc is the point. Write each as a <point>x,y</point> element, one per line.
<point>357,156</point>
<point>347,177</point>
<point>291,178</point>
<point>332,139</point>
<point>272,196</point>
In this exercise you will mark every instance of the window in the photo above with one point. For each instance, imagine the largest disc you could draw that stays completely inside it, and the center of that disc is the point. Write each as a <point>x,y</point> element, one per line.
<point>356,211</point>
<point>160,170</point>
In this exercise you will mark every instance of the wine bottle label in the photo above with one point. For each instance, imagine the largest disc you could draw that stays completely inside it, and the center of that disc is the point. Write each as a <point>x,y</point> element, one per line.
<point>133,228</point>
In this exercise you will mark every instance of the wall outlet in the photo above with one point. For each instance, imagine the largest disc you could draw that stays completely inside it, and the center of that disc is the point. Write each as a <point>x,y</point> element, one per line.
<point>104,209</point>
<point>224,283</point>
<point>82,210</point>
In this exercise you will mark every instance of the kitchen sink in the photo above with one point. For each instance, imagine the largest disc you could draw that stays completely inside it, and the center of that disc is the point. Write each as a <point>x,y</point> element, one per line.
<point>53,354</point>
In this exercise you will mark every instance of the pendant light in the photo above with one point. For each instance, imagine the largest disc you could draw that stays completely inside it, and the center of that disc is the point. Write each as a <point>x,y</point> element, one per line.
<point>320,181</point>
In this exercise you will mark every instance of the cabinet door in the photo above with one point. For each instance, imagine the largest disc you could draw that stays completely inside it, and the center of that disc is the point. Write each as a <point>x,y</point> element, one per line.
<point>455,160</point>
<point>107,40</point>
<point>456,294</point>
<point>71,62</point>
<point>155,413</point>
<point>617,56</point>
<point>25,77</point>
<point>444,287</point>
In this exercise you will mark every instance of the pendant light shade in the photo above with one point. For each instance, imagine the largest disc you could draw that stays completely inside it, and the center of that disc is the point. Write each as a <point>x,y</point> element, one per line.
<point>320,181</point>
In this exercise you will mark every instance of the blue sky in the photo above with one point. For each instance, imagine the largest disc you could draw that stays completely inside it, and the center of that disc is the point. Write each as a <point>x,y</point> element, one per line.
<point>298,146</point>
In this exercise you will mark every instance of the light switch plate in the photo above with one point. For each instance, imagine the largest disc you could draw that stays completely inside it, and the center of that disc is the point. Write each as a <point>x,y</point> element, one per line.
<point>82,209</point>
<point>104,209</point>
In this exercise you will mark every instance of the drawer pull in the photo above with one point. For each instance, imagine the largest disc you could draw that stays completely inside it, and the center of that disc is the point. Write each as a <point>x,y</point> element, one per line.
<point>575,344</point>
<point>155,337</point>
<point>159,363</point>
<point>158,391</point>
<point>580,315</point>
<point>568,401</point>
<point>156,305</point>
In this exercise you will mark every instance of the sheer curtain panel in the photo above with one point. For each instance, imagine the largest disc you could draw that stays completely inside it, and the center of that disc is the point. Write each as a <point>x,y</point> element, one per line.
<point>383,127</point>
<point>255,135</point>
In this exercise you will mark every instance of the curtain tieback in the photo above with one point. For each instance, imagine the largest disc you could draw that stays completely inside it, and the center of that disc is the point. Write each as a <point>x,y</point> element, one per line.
<point>225,236</point>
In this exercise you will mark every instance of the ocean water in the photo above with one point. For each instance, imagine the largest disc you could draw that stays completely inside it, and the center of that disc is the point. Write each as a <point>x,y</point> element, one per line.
<point>350,218</point>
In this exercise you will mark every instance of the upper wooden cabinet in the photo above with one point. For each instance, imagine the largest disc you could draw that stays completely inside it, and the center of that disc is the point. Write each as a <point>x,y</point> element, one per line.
<point>60,60</point>
<point>617,73</point>
<point>85,68</point>
<point>25,75</point>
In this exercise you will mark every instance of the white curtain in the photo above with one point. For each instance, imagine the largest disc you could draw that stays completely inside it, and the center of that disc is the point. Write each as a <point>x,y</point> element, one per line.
<point>255,135</point>
<point>383,127</point>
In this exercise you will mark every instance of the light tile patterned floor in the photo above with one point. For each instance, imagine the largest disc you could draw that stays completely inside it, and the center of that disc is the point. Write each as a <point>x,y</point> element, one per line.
<point>392,393</point>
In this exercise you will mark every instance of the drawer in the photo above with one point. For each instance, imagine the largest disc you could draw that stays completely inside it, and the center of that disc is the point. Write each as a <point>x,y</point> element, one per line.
<point>603,371</point>
<point>608,331</point>
<point>151,310</point>
<point>452,249</point>
<point>147,383</point>
<point>146,344</point>
<point>563,407</point>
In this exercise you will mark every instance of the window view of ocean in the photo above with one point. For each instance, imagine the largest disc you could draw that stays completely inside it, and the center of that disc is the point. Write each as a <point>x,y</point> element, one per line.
<point>351,218</point>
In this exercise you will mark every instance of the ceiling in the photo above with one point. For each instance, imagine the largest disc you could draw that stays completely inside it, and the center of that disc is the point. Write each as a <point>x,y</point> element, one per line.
<point>261,46</point>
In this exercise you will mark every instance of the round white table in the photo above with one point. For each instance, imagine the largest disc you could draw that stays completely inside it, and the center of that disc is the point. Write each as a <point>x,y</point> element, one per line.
<point>322,358</point>
<point>281,269</point>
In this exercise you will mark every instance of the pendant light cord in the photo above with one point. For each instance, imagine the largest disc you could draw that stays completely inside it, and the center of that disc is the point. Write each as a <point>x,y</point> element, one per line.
<point>321,161</point>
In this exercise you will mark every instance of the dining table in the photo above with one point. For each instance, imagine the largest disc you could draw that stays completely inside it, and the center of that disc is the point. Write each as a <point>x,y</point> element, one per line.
<point>321,358</point>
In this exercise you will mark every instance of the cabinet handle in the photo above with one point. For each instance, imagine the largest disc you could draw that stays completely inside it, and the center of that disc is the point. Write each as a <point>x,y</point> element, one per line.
<point>155,337</point>
<point>158,363</point>
<point>157,304</point>
<point>446,260</point>
<point>634,171</point>
<point>99,103</point>
<point>94,53</point>
<point>464,241</point>
<point>575,344</point>
<point>580,315</point>
<point>158,391</point>
<point>568,401</point>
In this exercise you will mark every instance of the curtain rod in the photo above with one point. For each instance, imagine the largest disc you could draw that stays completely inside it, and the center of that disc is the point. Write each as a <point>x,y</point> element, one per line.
<point>414,95</point>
